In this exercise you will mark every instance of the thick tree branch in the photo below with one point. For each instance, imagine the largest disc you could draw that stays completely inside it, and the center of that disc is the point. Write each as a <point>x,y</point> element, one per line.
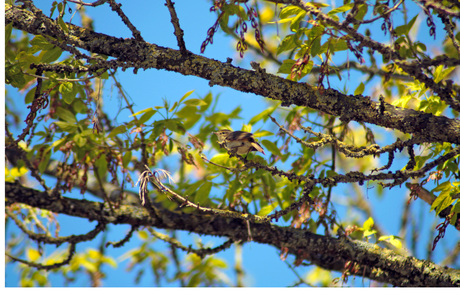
<point>138,54</point>
<point>330,253</point>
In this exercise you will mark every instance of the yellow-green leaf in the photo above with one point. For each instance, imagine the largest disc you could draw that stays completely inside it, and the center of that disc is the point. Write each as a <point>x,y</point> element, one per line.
<point>142,112</point>
<point>186,95</point>
<point>341,9</point>
<point>393,240</point>
<point>146,116</point>
<point>32,254</point>
<point>360,89</point>
<point>368,224</point>
<point>79,140</point>
<point>263,115</point>
<point>267,209</point>
<point>143,235</point>
<point>272,148</point>
<point>441,72</point>
<point>126,158</point>
<point>194,102</point>
<point>117,130</point>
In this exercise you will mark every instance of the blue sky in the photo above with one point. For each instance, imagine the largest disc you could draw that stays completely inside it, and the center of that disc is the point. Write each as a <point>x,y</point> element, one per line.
<point>149,88</point>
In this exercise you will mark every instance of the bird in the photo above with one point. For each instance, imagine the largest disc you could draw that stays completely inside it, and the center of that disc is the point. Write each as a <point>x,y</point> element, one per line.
<point>239,142</point>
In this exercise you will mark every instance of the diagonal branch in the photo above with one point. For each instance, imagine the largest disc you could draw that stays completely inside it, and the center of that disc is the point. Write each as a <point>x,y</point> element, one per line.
<point>178,32</point>
<point>143,55</point>
<point>117,8</point>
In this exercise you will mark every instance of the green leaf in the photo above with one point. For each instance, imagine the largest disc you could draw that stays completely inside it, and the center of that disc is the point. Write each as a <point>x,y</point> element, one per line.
<point>402,102</point>
<point>142,112</point>
<point>44,162</point>
<point>175,125</point>
<point>63,25</point>
<point>186,95</point>
<point>295,23</point>
<point>405,29</point>
<point>445,186</point>
<point>51,55</point>
<point>174,106</point>
<point>66,115</point>
<point>221,159</point>
<point>441,202</point>
<point>263,115</point>
<point>267,209</point>
<point>143,235</point>
<point>208,98</point>
<point>284,20</point>
<point>359,90</point>
<point>14,75</point>
<point>290,10</point>
<point>126,158</point>
<point>361,12</point>
<point>316,32</point>
<point>286,67</point>
<point>288,43</point>
<point>79,140</point>
<point>307,68</point>
<point>456,211</point>
<point>189,116</point>
<point>41,43</point>
<point>67,91</point>
<point>315,47</point>
<point>57,144</point>
<point>66,126</point>
<point>8,31</point>
<point>101,166</point>
<point>117,130</point>
<point>272,148</point>
<point>441,72</point>
<point>146,116</point>
<point>341,9</point>
<point>194,102</point>
<point>202,194</point>
<point>337,45</point>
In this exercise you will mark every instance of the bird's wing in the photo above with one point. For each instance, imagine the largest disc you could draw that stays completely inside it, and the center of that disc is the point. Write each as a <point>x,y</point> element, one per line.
<point>238,135</point>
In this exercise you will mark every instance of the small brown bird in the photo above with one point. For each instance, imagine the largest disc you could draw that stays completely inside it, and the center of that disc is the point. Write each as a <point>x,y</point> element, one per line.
<point>238,142</point>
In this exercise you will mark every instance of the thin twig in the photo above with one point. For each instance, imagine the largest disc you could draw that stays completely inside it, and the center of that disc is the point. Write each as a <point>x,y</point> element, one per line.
<point>117,8</point>
<point>94,4</point>
<point>178,32</point>
<point>125,239</point>
<point>232,169</point>
<point>156,176</point>
<point>50,266</point>
<point>59,240</point>
<point>200,252</point>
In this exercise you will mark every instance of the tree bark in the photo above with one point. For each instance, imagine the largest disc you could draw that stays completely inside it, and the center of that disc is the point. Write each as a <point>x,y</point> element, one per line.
<point>132,53</point>
<point>330,253</point>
